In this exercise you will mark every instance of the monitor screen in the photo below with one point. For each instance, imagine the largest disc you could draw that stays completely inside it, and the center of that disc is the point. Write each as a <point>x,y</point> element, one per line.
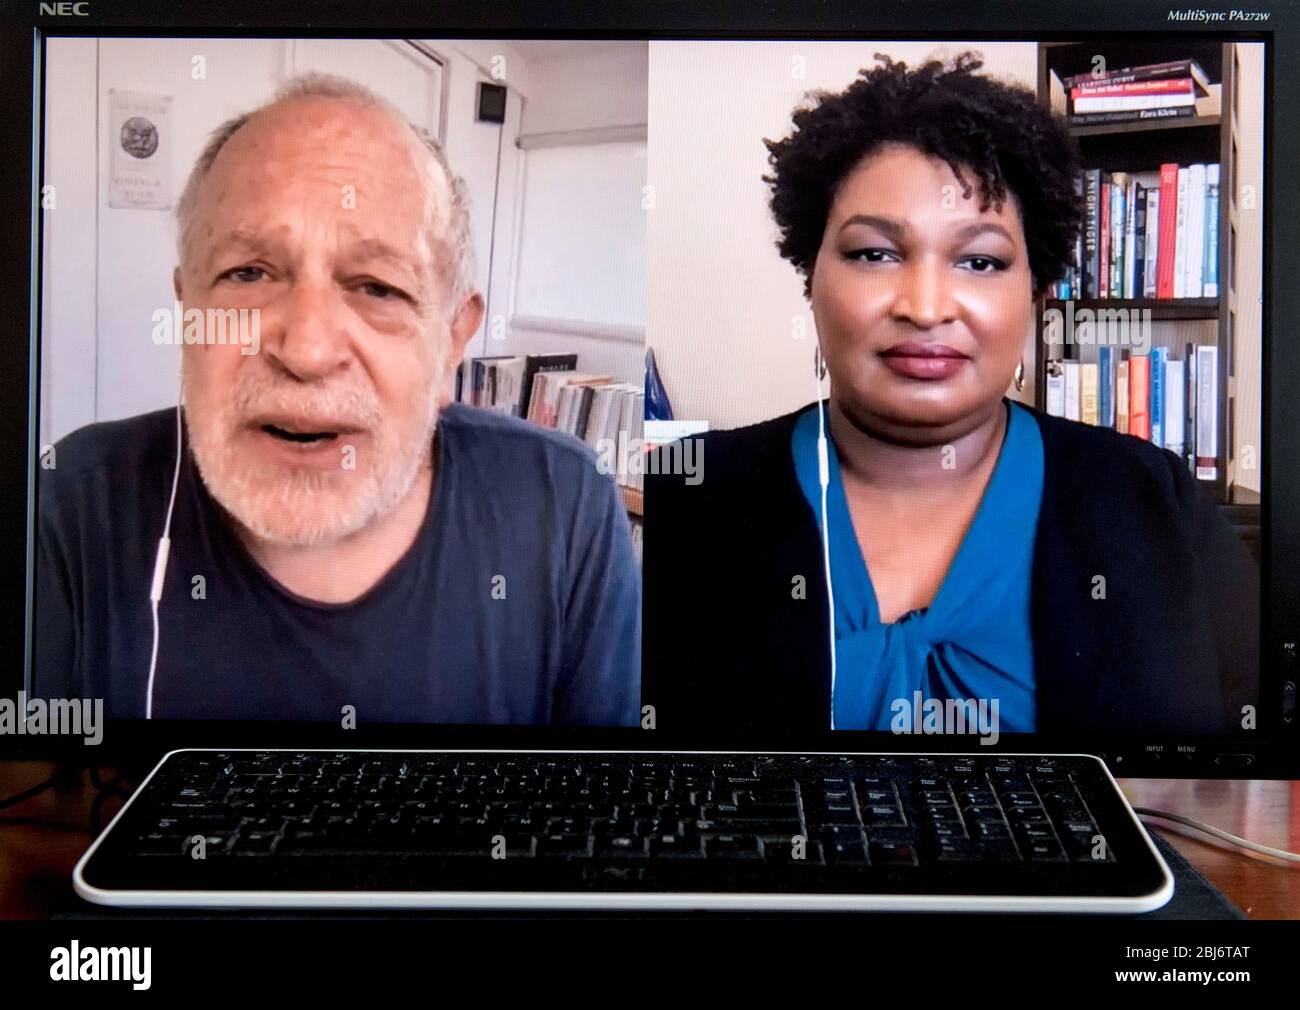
<point>314,312</point>
<point>974,333</point>
<point>902,390</point>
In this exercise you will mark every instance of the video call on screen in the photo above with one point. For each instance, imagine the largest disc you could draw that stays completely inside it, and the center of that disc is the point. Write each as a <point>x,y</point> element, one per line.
<point>710,386</point>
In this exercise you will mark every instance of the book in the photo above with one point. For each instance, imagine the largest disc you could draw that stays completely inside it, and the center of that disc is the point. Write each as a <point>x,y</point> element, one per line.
<point>1133,103</point>
<point>1159,358</point>
<point>562,407</point>
<point>507,385</point>
<point>1195,230</point>
<point>1146,72</point>
<point>1175,412</point>
<point>1121,397</point>
<point>586,396</point>
<point>598,417</point>
<point>638,435</point>
<point>1189,408</point>
<point>1131,116</point>
<point>630,410</point>
<point>1130,239</point>
<point>1091,190</point>
<point>1055,399</point>
<point>534,363</point>
<point>1152,239</point>
<point>1210,283</point>
<point>1180,237</point>
<point>1103,238</point>
<point>1106,386</point>
<point>1137,270</point>
<point>1139,393</point>
<point>1168,221</point>
<point>1207,412</point>
<point>479,379</point>
<point>1155,86</point>
<point>548,388</point>
<point>1073,405</point>
<point>1088,392</point>
<point>563,395</point>
<point>1118,216</point>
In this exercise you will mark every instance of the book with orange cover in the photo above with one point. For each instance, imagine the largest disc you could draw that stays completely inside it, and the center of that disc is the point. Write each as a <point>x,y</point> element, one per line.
<point>1139,396</point>
<point>1166,236</point>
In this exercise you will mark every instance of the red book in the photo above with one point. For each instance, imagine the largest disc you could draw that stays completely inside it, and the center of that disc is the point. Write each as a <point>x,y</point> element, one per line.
<point>1103,239</point>
<point>1171,86</point>
<point>1139,392</point>
<point>1167,225</point>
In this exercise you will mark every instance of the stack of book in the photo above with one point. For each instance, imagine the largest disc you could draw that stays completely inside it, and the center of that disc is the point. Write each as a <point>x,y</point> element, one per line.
<point>504,383</point>
<point>548,390</point>
<point>1133,94</point>
<point>1147,235</point>
<point>1173,403</point>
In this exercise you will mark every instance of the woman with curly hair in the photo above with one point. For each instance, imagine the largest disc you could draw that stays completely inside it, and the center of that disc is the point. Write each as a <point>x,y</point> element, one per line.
<point>950,543</point>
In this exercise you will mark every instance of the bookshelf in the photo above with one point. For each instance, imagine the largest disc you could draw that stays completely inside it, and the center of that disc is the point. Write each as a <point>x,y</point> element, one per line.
<point>1210,136</point>
<point>532,387</point>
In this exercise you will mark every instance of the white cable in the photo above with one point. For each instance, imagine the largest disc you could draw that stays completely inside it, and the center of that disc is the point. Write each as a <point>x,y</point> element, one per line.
<point>1210,829</point>
<point>160,566</point>
<point>824,477</point>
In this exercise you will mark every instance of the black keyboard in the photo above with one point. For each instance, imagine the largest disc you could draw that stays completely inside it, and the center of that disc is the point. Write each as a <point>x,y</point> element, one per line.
<point>869,811</point>
<point>255,822</point>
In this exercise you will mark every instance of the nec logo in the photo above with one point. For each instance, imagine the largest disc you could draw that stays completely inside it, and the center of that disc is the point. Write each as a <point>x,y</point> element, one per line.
<point>66,9</point>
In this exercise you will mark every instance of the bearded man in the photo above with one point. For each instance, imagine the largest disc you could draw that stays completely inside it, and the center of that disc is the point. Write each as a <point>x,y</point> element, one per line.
<point>340,539</point>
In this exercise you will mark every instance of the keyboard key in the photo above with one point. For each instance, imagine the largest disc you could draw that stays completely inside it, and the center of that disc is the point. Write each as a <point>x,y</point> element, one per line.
<point>783,851</point>
<point>892,855</point>
<point>744,847</point>
<point>673,846</point>
<point>622,847</point>
<point>564,845</point>
<point>160,843</point>
<point>255,843</point>
<point>847,853</point>
<point>1044,852</point>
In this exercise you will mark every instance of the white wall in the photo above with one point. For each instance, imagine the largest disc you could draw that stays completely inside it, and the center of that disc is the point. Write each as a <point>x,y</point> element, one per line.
<point>69,265</point>
<point>578,226</point>
<point>721,303</point>
<point>578,85</point>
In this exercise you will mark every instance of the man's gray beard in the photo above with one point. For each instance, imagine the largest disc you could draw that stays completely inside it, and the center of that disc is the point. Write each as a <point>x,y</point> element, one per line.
<point>270,503</point>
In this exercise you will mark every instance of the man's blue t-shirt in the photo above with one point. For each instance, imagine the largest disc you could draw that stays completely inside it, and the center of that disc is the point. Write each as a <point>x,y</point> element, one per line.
<point>519,601</point>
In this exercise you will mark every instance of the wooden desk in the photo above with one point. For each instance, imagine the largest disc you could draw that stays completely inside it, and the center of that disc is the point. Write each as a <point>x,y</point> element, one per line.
<point>38,851</point>
<point>1264,812</point>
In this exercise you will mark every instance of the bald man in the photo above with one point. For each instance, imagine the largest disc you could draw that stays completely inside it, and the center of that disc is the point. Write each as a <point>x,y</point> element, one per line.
<point>345,543</point>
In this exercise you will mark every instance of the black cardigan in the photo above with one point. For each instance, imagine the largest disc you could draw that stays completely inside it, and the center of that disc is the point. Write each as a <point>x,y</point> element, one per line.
<point>1173,648</point>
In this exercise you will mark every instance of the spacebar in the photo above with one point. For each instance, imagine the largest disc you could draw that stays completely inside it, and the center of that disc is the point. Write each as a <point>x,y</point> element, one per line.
<point>450,845</point>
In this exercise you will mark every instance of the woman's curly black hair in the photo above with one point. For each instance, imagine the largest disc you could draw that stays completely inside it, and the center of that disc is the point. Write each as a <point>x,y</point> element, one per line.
<point>997,131</point>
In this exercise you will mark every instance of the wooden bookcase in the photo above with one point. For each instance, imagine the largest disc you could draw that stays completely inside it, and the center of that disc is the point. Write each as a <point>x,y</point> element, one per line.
<point>1143,147</point>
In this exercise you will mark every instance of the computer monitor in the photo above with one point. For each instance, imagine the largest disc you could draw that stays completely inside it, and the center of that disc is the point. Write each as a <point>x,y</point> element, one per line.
<point>451,384</point>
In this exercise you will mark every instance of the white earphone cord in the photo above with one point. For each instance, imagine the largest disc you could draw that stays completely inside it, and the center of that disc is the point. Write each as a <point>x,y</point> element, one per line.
<point>160,566</point>
<point>824,477</point>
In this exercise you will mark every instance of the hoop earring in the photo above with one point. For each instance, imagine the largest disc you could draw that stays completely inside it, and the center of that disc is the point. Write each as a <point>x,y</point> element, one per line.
<point>1020,376</point>
<point>819,363</point>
